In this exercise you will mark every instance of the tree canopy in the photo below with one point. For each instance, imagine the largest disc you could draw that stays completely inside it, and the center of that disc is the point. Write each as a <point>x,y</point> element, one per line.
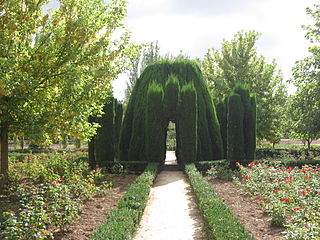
<point>239,63</point>
<point>57,66</point>
<point>305,107</point>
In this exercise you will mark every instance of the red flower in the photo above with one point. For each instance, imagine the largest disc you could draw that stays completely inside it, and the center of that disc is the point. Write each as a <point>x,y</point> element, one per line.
<point>276,191</point>
<point>286,199</point>
<point>296,208</point>
<point>307,177</point>
<point>251,164</point>
<point>246,176</point>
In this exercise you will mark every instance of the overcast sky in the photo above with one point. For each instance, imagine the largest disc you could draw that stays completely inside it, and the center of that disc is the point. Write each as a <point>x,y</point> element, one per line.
<point>194,26</point>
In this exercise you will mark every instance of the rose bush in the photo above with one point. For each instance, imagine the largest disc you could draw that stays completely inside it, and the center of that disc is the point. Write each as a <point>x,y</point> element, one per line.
<point>290,196</point>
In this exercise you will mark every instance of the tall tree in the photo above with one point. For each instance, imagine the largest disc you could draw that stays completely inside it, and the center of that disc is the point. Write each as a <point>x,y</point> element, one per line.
<point>305,107</point>
<point>56,67</point>
<point>239,63</point>
<point>141,58</point>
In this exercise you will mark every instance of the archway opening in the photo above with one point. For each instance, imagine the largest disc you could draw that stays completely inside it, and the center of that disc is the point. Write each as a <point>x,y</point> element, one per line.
<point>171,143</point>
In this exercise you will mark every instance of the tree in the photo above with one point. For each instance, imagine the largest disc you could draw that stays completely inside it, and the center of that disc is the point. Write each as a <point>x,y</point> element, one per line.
<point>141,58</point>
<point>305,107</point>
<point>57,67</point>
<point>239,63</point>
<point>305,112</point>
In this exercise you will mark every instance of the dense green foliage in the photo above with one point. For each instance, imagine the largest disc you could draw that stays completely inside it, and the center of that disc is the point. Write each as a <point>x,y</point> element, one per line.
<point>155,135</point>
<point>133,136</point>
<point>104,139</point>
<point>45,193</point>
<point>222,114</point>
<point>187,127</point>
<point>220,222</point>
<point>118,108</point>
<point>235,145</point>
<point>239,63</point>
<point>249,121</point>
<point>103,146</point>
<point>171,97</point>
<point>289,195</point>
<point>57,66</point>
<point>304,109</point>
<point>237,113</point>
<point>122,222</point>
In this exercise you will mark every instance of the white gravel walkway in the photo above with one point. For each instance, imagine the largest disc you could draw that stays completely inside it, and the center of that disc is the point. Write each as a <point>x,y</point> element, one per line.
<point>171,213</point>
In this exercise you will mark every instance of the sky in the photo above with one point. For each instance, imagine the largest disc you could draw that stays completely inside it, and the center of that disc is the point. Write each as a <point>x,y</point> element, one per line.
<point>194,26</point>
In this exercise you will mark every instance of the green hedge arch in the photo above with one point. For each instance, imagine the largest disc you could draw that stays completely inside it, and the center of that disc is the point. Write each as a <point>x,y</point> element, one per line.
<point>172,77</point>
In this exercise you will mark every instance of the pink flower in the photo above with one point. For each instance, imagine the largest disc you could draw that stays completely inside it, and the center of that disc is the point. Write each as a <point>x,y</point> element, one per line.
<point>276,191</point>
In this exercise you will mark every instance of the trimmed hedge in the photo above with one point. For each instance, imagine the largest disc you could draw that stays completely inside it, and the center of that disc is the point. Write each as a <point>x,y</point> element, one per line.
<point>155,134</point>
<point>132,166</point>
<point>122,222</point>
<point>133,139</point>
<point>273,153</point>
<point>188,124</point>
<point>235,151</point>
<point>220,222</point>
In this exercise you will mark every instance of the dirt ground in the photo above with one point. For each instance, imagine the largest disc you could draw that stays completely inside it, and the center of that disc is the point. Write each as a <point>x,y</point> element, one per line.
<point>247,210</point>
<point>95,210</point>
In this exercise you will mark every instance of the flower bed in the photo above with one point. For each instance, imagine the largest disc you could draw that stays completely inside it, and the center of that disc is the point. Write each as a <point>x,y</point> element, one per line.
<point>220,222</point>
<point>290,196</point>
<point>122,222</point>
<point>45,193</point>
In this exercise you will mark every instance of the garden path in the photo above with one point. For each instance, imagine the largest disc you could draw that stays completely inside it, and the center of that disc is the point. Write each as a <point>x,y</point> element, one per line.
<point>171,212</point>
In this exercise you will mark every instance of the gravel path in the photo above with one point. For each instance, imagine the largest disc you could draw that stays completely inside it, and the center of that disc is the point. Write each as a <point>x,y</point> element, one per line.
<point>171,213</point>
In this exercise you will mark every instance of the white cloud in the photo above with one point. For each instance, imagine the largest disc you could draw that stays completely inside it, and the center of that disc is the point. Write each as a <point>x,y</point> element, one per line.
<point>177,27</point>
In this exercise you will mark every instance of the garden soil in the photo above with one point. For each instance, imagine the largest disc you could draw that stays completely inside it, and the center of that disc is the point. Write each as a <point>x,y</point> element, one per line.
<point>247,210</point>
<point>95,210</point>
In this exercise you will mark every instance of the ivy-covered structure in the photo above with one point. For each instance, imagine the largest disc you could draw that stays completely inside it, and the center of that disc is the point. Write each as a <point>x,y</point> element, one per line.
<point>170,91</point>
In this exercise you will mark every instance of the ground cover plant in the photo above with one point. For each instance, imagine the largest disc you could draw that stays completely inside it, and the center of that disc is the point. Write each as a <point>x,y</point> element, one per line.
<point>220,222</point>
<point>45,193</point>
<point>122,222</point>
<point>289,195</point>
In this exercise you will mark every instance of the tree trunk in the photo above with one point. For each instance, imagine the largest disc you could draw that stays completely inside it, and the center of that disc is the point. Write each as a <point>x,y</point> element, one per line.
<point>309,143</point>
<point>22,143</point>
<point>4,149</point>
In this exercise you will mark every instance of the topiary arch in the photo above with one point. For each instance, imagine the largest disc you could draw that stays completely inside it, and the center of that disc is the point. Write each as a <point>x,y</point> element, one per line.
<point>170,91</point>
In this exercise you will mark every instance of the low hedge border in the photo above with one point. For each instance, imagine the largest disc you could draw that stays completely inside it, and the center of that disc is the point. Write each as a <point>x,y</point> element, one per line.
<point>122,222</point>
<point>133,166</point>
<point>221,224</point>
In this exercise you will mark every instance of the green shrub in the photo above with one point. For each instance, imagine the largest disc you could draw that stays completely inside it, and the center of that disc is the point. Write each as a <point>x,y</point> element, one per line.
<point>222,112</point>
<point>235,151</point>
<point>133,139</point>
<point>122,222</point>
<point>221,224</point>
<point>171,96</point>
<point>188,124</point>
<point>155,134</point>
